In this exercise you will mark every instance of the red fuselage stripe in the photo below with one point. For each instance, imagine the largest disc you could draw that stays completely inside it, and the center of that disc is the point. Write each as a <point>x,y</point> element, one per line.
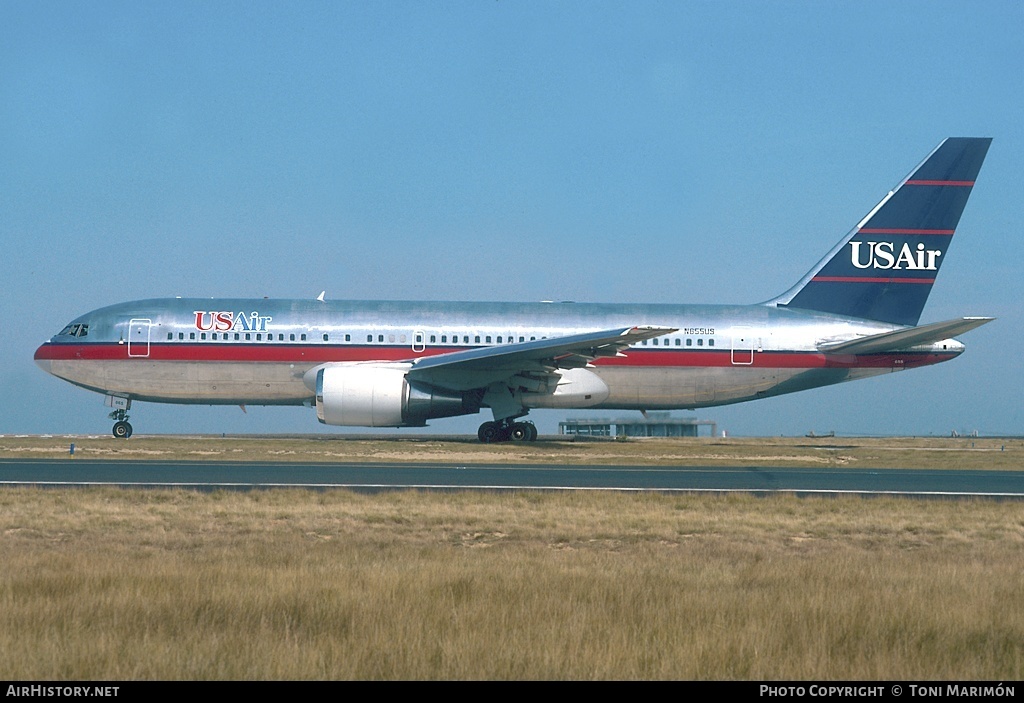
<point>307,355</point>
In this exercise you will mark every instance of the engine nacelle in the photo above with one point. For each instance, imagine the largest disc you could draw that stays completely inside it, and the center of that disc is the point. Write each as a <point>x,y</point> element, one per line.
<point>362,395</point>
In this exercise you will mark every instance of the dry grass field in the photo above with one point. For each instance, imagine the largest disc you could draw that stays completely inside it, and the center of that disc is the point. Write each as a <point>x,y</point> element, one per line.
<point>287,584</point>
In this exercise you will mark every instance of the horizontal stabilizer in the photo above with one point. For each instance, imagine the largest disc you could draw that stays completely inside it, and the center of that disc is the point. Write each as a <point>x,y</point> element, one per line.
<point>899,340</point>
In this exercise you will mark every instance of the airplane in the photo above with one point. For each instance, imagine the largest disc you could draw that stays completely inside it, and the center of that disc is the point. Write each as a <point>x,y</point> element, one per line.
<point>386,363</point>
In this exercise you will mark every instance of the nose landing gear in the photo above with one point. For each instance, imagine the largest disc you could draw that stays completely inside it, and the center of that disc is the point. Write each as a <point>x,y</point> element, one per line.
<point>122,429</point>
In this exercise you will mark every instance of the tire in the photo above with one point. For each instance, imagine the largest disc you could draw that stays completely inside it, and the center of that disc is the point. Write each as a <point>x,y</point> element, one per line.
<point>488,432</point>
<point>122,430</point>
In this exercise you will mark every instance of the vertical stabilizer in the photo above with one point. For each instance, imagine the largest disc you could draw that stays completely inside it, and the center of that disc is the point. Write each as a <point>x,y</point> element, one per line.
<point>885,267</point>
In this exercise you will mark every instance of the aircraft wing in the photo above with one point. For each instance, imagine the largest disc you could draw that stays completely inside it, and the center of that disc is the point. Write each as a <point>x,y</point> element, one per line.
<point>477,368</point>
<point>899,340</point>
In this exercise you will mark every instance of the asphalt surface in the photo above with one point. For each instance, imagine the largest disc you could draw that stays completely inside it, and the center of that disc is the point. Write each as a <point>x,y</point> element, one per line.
<point>212,475</point>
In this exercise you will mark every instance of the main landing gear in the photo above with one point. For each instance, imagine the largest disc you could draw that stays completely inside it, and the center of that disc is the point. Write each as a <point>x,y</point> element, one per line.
<point>505,430</point>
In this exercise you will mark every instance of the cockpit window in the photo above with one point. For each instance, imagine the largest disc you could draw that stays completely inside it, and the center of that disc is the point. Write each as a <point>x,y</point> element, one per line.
<point>75,331</point>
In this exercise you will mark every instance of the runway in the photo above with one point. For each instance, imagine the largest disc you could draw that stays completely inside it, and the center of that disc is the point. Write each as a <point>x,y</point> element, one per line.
<point>209,475</point>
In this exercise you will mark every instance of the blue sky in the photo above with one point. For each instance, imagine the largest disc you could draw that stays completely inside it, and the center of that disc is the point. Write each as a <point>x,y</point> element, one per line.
<point>697,152</point>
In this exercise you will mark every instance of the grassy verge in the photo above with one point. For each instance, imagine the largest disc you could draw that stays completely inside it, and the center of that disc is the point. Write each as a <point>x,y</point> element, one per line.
<point>937,453</point>
<point>120,584</point>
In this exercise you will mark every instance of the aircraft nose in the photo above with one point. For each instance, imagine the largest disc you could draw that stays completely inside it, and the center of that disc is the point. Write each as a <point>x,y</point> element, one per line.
<point>42,358</point>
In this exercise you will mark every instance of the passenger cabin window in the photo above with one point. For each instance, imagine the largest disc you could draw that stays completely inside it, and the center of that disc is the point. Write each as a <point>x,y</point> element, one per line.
<point>711,342</point>
<point>325,337</point>
<point>303,338</point>
<point>700,342</point>
<point>191,335</point>
<point>348,338</point>
<point>291,338</point>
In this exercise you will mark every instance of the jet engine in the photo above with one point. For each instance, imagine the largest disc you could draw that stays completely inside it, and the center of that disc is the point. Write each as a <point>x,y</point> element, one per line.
<point>362,395</point>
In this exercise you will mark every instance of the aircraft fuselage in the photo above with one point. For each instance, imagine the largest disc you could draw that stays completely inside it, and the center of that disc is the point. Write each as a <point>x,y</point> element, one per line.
<point>241,351</point>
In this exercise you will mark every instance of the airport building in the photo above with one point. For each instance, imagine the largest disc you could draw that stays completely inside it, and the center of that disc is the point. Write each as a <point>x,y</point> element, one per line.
<point>660,424</point>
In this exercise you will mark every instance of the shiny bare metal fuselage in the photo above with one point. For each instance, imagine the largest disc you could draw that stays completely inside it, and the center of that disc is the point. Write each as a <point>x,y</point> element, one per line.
<point>257,351</point>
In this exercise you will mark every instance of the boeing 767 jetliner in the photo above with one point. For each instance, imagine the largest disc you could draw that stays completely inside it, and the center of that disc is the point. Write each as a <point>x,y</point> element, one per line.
<point>398,364</point>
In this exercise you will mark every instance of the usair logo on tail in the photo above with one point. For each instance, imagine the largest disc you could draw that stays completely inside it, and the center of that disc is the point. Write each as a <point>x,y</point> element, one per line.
<point>881,255</point>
